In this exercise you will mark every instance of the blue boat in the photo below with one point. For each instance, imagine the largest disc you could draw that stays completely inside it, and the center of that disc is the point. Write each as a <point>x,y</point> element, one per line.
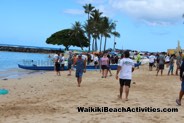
<point>51,68</point>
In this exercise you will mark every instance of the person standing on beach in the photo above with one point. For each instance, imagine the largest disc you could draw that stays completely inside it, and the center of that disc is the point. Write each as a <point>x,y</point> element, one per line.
<point>57,64</point>
<point>70,62</point>
<point>109,65</point>
<point>178,62</point>
<point>138,60</point>
<point>125,68</point>
<point>167,60</point>
<point>96,61</point>
<point>62,59</point>
<point>151,61</point>
<point>181,93</point>
<point>80,68</point>
<point>171,65</point>
<point>104,64</point>
<point>161,62</point>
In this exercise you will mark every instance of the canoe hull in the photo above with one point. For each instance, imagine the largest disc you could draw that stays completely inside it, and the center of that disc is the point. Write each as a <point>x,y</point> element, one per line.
<point>51,68</point>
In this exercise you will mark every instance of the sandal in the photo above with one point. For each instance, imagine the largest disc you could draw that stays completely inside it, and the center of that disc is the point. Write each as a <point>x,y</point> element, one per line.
<point>178,102</point>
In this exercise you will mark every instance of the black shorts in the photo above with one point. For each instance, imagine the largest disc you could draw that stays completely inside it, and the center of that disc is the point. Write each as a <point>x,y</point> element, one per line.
<point>95,62</point>
<point>57,66</point>
<point>109,67</point>
<point>161,66</point>
<point>62,65</point>
<point>69,66</point>
<point>151,64</point>
<point>167,62</point>
<point>104,67</point>
<point>125,82</point>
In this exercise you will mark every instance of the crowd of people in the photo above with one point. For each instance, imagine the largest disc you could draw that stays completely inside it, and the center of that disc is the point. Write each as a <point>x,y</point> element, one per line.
<point>160,60</point>
<point>125,67</point>
<point>169,60</point>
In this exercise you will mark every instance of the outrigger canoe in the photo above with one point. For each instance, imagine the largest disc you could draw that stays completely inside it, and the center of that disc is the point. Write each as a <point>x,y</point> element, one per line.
<point>51,68</point>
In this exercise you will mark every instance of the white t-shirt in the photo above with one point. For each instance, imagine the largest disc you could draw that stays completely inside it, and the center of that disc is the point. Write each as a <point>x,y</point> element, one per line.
<point>56,57</point>
<point>126,68</point>
<point>62,60</point>
<point>96,58</point>
<point>84,57</point>
<point>151,59</point>
<point>167,59</point>
<point>92,57</point>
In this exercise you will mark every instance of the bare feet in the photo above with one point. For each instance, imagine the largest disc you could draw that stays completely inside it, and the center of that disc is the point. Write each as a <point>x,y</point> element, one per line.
<point>119,97</point>
<point>126,99</point>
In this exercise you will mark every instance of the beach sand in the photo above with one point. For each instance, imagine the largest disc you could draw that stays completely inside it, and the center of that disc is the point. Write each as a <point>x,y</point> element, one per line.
<point>47,98</point>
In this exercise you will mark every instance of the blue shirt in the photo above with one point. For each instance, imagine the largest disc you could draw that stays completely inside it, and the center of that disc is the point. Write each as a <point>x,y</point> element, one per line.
<point>80,65</point>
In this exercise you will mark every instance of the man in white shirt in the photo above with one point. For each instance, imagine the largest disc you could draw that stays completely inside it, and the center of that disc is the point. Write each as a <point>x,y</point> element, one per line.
<point>125,67</point>
<point>62,59</point>
<point>151,61</point>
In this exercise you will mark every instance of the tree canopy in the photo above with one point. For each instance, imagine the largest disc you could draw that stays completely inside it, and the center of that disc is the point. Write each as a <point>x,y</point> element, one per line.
<point>66,38</point>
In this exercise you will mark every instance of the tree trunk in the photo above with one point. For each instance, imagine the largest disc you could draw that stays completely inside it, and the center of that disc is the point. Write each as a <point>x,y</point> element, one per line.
<point>96,45</point>
<point>105,44</point>
<point>93,44</point>
<point>100,43</point>
<point>89,38</point>
<point>66,48</point>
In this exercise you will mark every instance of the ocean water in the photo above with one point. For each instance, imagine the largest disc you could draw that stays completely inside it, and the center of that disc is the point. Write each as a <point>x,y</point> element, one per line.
<point>9,63</point>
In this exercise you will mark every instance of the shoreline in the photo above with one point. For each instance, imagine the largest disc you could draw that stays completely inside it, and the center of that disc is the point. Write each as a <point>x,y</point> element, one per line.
<point>15,73</point>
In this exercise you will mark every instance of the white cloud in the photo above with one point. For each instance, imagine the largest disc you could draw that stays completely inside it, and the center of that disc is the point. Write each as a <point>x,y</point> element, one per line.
<point>74,11</point>
<point>153,12</point>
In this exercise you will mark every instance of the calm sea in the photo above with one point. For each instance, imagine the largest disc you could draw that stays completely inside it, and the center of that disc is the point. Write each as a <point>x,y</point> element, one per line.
<point>9,63</point>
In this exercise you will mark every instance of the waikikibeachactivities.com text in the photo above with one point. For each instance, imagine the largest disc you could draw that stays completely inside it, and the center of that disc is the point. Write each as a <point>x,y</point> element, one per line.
<point>123,109</point>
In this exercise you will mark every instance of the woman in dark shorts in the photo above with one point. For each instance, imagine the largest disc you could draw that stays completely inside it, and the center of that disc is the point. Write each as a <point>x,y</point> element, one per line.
<point>104,65</point>
<point>109,67</point>
<point>57,65</point>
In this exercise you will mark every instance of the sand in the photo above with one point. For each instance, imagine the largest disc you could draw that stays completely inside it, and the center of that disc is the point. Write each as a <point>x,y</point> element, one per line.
<point>47,98</point>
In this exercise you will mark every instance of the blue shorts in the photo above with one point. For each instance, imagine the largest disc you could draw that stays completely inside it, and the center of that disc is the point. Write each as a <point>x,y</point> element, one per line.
<point>78,74</point>
<point>182,86</point>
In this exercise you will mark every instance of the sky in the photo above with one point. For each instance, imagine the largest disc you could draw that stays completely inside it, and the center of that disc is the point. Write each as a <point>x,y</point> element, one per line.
<point>144,25</point>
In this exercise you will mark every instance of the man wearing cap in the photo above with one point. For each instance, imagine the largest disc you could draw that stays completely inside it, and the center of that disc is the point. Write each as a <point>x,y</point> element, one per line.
<point>80,68</point>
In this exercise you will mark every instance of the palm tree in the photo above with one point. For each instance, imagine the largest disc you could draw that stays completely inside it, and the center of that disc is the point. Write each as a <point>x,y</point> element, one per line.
<point>103,28</point>
<point>77,29</point>
<point>108,27</point>
<point>115,34</point>
<point>107,35</point>
<point>88,9</point>
<point>96,18</point>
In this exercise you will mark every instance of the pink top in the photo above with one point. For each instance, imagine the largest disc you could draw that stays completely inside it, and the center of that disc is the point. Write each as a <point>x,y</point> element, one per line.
<point>104,61</point>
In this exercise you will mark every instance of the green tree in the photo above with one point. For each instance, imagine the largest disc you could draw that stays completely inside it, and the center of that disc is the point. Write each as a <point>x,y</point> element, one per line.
<point>65,38</point>
<point>88,8</point>
<point>108,27</point>
<point>77,30</point>
<point>96,18</point>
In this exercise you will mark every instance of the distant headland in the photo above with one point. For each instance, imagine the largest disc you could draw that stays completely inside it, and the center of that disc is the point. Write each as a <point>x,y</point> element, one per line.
<point>30,49</point>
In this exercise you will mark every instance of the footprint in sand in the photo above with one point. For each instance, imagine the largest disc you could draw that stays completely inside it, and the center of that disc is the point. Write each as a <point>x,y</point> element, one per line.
<point>113,102</point>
